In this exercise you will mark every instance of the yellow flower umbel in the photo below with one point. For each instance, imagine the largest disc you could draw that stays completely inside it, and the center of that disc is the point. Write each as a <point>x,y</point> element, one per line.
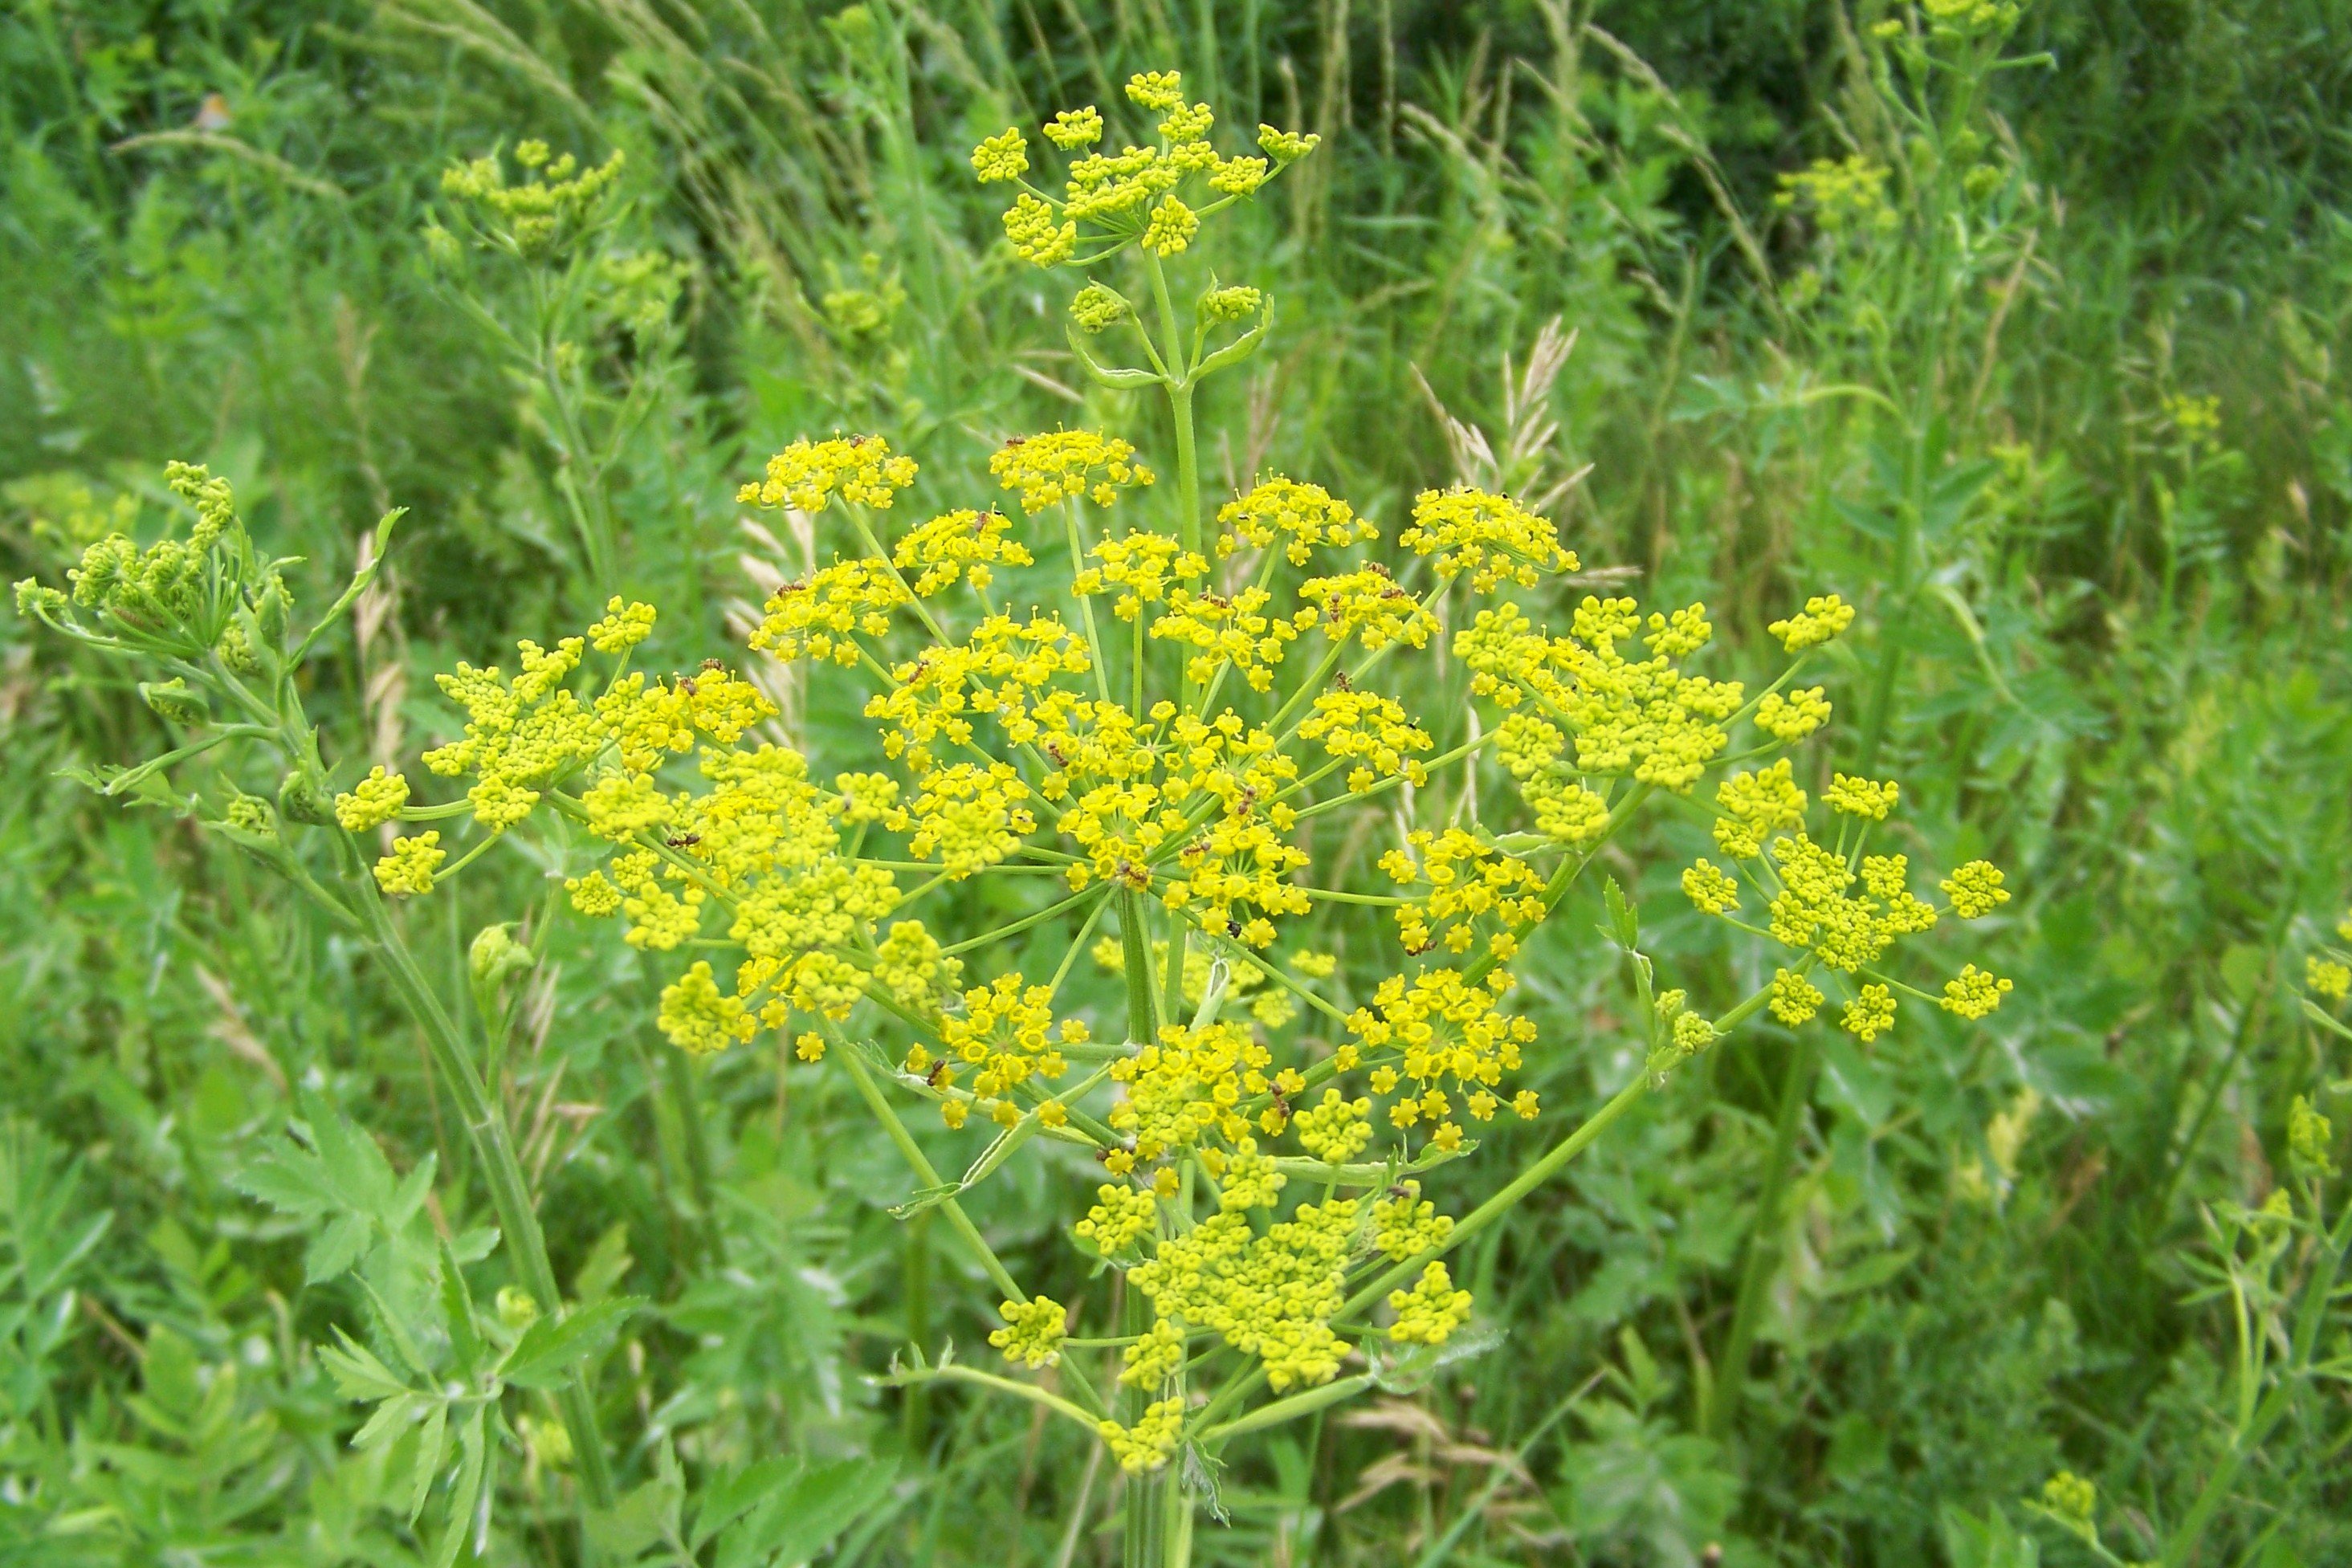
<point>1215,759</point>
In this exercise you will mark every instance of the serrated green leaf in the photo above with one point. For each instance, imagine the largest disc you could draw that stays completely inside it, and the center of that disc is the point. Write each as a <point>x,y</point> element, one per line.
<point>468,1497</point>
<point>357,1372</point>
<point>552,1347</point>
<point>457,1306</point>
<point>432,1438</point>
<point>636,1521</point>
<point>724,1503</point>
<point>798,1521</point>
<point>336,1248</point>
<point>390,1419</point>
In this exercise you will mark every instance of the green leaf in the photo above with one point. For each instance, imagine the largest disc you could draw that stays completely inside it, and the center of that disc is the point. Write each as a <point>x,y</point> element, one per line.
<point>1867,1275</point>
<point>336,1248</point>
<point>1624,926</point>
<point>357,1372</point>
<point>457,1306</point>
<point>552,1347</point>
<point>797,1522</point>
<point>390,1419</point>
<point>636,1521</point>
<point>432,1441</point>
<point>724,1503</point>
<point>608,1264</point>
<point>465,1494</point>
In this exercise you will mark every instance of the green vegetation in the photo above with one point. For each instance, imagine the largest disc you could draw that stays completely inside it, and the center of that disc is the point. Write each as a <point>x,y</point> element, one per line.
<point>355,1213</point>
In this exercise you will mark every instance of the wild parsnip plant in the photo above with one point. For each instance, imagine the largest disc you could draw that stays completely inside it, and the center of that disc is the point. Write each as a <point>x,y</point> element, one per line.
<point>1176,716</point>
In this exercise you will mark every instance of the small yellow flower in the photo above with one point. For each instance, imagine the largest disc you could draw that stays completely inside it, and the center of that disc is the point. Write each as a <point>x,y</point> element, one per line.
<point>1821,620</point>
<point>1711,889</point>
<point>592,895</point>
<point>699,1018</point>
<point>1146,1445</point>
<point>1157,91</point>
<point>409,868</point>
<point>2072,1499</point>
<point>624,626</point>
<point>807,475</point>
<point>1870,1014</point>
<point>1794,999</point>
<point>1075,128</point>
<point>1172,227</point>
<point>1864,798</point>
<point>1431,1311</point>
<point>373,801</point>
<point>1793,717</point>
<point>1975,890</point>
<point>1286,147</point>
<point>1032,1331</point>
<point>1003,156</point>
<point>1974,993</point>
<point>2327,978</point>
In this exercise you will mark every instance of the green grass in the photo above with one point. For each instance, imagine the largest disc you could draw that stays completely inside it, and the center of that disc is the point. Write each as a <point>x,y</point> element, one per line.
<point>2123,672</point>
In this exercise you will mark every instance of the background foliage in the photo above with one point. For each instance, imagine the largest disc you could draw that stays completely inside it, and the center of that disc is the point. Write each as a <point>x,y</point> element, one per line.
<point>2120,606</point>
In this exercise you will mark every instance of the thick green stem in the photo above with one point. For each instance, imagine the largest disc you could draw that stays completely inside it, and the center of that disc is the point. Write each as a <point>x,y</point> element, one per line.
<point>494,1145</point>
<point>1796,1092</point>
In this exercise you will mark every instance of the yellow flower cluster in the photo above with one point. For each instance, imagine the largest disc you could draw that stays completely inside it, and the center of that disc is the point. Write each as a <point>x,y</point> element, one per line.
<point>1370,730</point>
<point>371,802</point>
<point>1064,464</point>
<point>1406,1225</point>
<point>1303,517</point>
<point>1870,1014</point>
<point>1336,1129</point>
<point>1755,806</point>
<point>1223,631</point>
<point>1433,1026</point>
<point>808,475</point>
<point>520,734</point>
<point>1143,567</point>
<point>965,544</point>
<point>1271,1296</point>
<point>1005,1035</point>
<point>1184,1089</point>
<point>1129,196</point>
<point>409,868</point>
<point>992,672</point>
<point>966,816</point>
<point>1466,880</point>
<point>1492,537</point>
<point>1795,998</point>
<point>1824,618</point>
<point>1147,1362</point>
<point>1121,1214</point>
<point>1975,890</point>
<point>1367,606</point>
<point>543,212</point>
<point>1431,1311</point>
<point>1843,194</point>
<point>1867,798</point>
<point>1032,1331</point>
<point>1973,993</point>
<point>699,1018</point>
<point>1791,719</point>
<point>1146,1445</point>
<point>1815,909</point>
<point>1644,718</point>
